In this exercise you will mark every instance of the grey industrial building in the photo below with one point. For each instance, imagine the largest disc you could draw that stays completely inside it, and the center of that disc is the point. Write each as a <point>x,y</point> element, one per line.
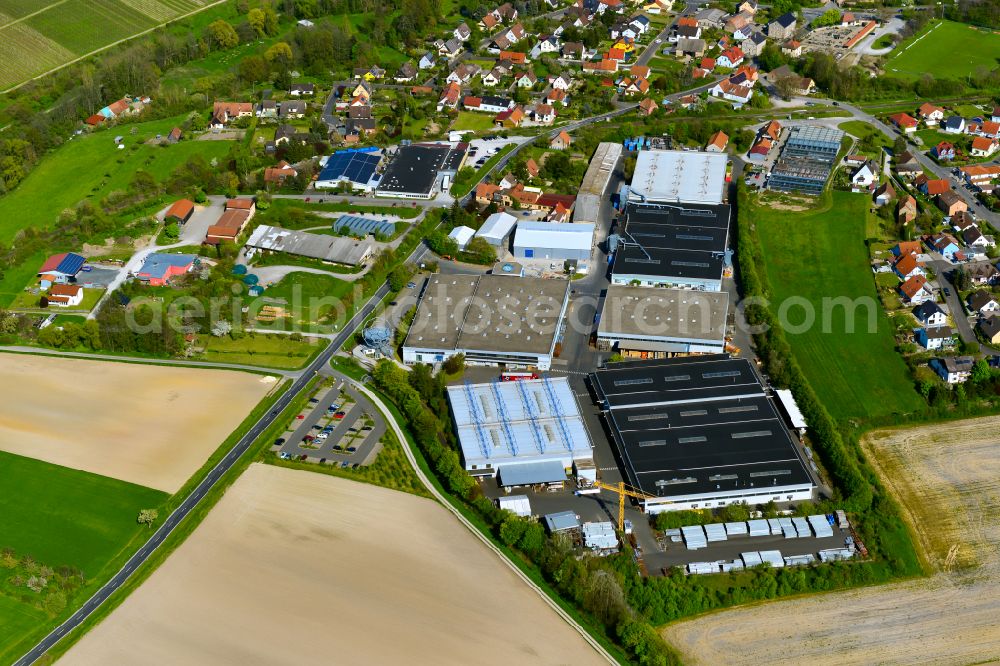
<point>335,249</point>
<point>493,319</point>
<point>672,245</point>
<point>699,432</point>
<point>595,182</point>
<point>554,240</point>
<point>678,176</point>
<point>421,170</point>
<point>806,160</point>
<point>659,323</point>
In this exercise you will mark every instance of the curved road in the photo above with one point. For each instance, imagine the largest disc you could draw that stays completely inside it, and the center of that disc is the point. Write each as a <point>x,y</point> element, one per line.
<point>211,479</point>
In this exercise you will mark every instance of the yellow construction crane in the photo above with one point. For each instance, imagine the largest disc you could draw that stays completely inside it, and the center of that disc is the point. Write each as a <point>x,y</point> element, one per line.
<point>622,491</point>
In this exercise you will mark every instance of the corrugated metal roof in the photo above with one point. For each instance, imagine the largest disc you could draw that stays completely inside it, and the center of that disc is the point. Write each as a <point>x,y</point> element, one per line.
<point>791,408</point>
<point>575,236</point>
<point>563,520</point>
<point>462,236</point>
<point>497,226</point>
<point>519,504</point>
<point>531,473</point>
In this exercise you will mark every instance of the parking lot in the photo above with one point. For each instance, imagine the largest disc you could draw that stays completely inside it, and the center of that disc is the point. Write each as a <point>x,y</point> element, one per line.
<point>98,277</point>
<point>336,427</point>
<point>481,150</point>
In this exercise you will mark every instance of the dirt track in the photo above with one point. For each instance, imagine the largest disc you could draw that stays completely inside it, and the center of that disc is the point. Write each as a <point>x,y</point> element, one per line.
<point>293,567</point>
<point>151,425</point>
<point>948,477</point>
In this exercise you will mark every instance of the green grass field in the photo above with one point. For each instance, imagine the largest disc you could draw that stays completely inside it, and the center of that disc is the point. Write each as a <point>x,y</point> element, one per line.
<point>821,254</point>
<point>65,516</point>
<point>946,50</point>
<point>273,351</point>
<point>39,35</point>
<point>473,121</point>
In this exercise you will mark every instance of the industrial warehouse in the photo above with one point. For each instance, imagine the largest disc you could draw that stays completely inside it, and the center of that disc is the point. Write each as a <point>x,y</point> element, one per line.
<point>492,319</point>
<point>595,182</point>
<point>421,170</point>
<point>699,432</point>
<point>334,249</point>
<point>659,323</point>
<point>675,176</point>
<point>527,432</point>
<point>354,167</point>
<point>554,240</point>
<point>672,245</point>
<point>806,160</point>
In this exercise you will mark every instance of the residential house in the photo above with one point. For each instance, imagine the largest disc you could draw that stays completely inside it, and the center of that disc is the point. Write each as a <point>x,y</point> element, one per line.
<point>557,96</point>
<point>944,151</point>
<point>907,165</point>
<point>950,202</point>
<point>730,58</point>
<point>718,143</point>
<point>905,122</point>
<point>690,48</point>
<point>990,328</point>
<point>488,104</point>
<point>531,166</point>
<point>975,238</point>
<point>982,302</point>
<point>463,73</point>
<point>915,290</point>
<point>760,150</point>
<point>865,176</point>
<point>748,6</point>
<point>485,193</point>
<point>903,248</point>
<point>462,32</point>
<point>370,74</point>
<point>278,174</point>
<point>953,369</point>
<point>930,187</point>
<point>782,27</point>
<point>223,112</point>
<point>954,125</point>
<point>603,66</point>
<point>647,107</point>
<point>407,73</point>
<point>930,114</point>
<point>983,146</point>
<point>639,71</point>
<point>65,295</point>
<point>771,129</point>
<point>267,109</point>
<point>995,116</point>
<point>945,244</point>
<point>302,89</point>
<point>657,7</point>
<point>982,274</point>
<point>989,129</point>
<point>525,79</point>
<point>513,57</point>
<point>939,337</point>
<point>792,48</point>
<point>884,193</point>
<point>687,32</point>
<point>492,78</point>
<point>855,160</point>
<point>363,90</point>
<point>707,63</point>
<point>489,21</point>
<point>754,45</point>
<point>61,268</point>
<point>907,266</point>
<point>283,134</point>
<point>510,118</point>
<point>292,109</point>
<point>427,61</point>
<point>637,87</point>
<point>573,50</point>
<point>506,12</point>
<point>449,97</point>
<point>961,221</point>
<point>543,114</point>
<point>545,45</point>
<point>930,314</point>
<point>737,22</point>
<point>561,141</point>
<point>451,49</point>
<point>710,17</point>
<point>731,92</point>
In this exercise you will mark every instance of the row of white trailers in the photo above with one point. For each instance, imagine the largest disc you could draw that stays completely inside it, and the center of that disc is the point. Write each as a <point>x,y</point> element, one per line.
<point>699,536</point>
<point>772,558</point>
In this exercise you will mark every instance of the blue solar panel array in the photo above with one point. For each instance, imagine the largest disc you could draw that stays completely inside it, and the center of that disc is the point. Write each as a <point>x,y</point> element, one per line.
<point>365,225</point>
<point>356,167</point>
<point>71,264</point>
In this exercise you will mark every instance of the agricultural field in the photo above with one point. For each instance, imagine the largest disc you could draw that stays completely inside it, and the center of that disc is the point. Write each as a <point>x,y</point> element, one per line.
<point>121,419</point>
<point>334,556</point>
<point>59,517</point>
<point>947,50</point>
<point>820,254</point>
<point>37,36</point>
<point>946,477</point>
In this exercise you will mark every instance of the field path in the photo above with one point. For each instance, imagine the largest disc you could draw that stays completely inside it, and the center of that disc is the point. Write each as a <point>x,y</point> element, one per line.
<point>947,478</point>
<point>34,13</point>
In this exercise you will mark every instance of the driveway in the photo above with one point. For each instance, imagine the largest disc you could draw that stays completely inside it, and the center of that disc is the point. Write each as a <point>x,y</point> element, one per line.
<point>963,326</point>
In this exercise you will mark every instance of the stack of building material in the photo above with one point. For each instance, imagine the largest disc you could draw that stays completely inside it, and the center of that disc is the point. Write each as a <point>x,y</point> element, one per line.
<point>735,565</point>
<point>795,560</point>
<point>788,528</point>
<point>773,557</point>
<point>842,522</point>
<point>694,537</point>
<point>715,532</point>
<point>751,559</point>
<point>600,536</point>
<point>518,504</point>
<point>775,526</point>
<point>703,568</point>
<point>801,527</point>
<point>821,526</point>
<point>759,528</point>
<point>734,529</point>
<point>834,554</point>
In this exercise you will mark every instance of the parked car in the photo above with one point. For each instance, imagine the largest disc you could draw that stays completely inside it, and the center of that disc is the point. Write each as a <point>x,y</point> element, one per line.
<point>344,464</point>
<point>285,456</point>
<point>279,441</point>
<point>303,456</point>
<point>352,449</point>
<point>411,285</point>
<point>339,415</point>
<point>300,417</point>
<point>308,438</point>
<point>314,400</point>
<point>335,406</point>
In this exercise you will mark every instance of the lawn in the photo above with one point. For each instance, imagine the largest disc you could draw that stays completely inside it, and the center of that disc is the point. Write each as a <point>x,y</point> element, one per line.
<point>866,132</point>
<point>90,166</point>
<point>27,301</point>
<point>311,300</point>
<point>472,121</point>
<point>273,351</point>
<point>818,255</point>
<point>947,50</point>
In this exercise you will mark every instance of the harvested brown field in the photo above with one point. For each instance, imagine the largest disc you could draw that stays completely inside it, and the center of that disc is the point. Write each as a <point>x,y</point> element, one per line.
<point>947,477</point>
<point>293,567</point>
<point>153,425</point>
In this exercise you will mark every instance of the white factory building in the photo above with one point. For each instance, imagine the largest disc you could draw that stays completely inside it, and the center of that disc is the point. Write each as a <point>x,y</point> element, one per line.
<point>678,176</point>
<point>496,229</point>
<point>554,240</point>
<point>525,432</point>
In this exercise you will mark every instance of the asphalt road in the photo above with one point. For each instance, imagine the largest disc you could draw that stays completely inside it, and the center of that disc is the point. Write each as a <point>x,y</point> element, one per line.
<point>198,494</point>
